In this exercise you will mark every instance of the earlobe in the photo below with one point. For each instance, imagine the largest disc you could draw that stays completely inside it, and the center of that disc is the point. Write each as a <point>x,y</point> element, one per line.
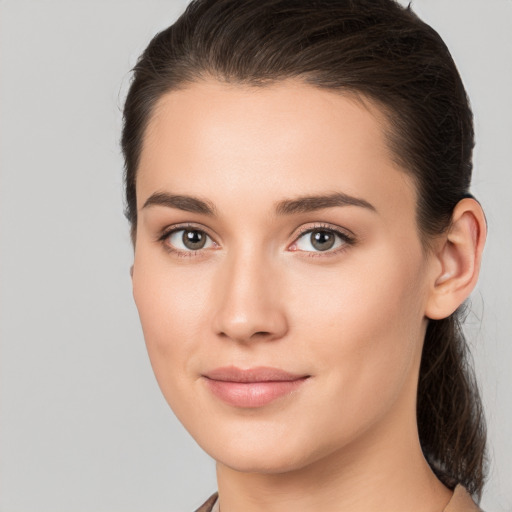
<point>458,260</point>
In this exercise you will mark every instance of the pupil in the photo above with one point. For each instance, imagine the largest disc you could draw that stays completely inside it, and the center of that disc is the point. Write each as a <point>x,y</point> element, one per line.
<point>322,240</point>
<point>194,239</point>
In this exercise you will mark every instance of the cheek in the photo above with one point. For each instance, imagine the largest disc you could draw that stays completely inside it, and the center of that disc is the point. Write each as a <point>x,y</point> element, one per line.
<point>364,327</point>
<point>170,302</point>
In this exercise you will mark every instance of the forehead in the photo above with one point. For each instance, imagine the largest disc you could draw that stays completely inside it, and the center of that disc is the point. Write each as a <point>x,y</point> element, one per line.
<point>258,143</point>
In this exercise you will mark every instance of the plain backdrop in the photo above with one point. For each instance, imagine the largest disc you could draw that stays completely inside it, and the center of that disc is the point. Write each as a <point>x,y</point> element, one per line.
<point>83,425</point>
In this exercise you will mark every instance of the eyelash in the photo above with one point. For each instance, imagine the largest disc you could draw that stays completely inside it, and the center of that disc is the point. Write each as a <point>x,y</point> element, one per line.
<point>347,239</point>
<point>184,227</point>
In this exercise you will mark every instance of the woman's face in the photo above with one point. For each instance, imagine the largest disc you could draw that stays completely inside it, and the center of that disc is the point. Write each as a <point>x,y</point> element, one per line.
<point>279,274</point>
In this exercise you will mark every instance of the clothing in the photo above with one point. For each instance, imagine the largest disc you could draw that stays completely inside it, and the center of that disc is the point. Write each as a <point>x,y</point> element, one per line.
<point>461,502</point>
<point>207,506</point>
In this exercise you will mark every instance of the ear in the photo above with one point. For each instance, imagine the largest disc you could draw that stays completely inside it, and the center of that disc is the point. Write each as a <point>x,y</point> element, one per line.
<point>457,258</point>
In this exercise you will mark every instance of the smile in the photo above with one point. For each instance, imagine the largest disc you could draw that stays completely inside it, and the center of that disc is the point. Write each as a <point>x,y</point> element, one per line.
<point>252,388</point>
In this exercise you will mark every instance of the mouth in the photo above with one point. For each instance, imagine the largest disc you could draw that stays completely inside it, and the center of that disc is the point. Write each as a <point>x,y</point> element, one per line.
<point>254,387</point>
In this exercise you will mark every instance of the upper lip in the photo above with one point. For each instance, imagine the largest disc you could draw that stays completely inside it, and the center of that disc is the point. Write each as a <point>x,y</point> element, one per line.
<point>257,374</point>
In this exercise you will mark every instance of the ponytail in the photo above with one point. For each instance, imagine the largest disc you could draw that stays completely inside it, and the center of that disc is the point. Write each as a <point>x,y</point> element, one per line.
<point>451,423</point>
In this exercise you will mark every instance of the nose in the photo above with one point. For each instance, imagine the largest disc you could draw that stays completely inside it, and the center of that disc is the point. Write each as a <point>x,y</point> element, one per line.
<point>249,301</point>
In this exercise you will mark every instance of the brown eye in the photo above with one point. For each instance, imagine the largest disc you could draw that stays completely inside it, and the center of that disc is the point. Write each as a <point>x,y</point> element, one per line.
<point>186,240</point>
<point>322,240</point>
<point>193,239</point>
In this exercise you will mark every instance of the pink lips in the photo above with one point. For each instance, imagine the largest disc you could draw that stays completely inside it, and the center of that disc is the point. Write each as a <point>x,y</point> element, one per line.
<point>254,387</point>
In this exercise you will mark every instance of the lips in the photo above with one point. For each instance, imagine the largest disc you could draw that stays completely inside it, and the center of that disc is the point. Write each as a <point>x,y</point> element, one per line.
<point>254,387</point>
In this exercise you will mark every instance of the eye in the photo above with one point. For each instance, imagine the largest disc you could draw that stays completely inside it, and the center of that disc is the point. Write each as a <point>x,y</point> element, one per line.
<point>187,240</point>
<point>320,240</point>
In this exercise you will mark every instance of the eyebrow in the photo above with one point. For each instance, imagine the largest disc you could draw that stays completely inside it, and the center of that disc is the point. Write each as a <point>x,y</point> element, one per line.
<point>302,204</point>
<point>307,204</point>
<point>181,202</point>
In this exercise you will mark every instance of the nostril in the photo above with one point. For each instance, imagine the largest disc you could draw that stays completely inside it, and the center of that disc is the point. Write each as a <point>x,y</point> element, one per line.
<point>260,333</point>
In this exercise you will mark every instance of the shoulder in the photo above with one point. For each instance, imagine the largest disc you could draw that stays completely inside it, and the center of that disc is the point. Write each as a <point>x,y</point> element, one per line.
<point>461,502</point>
<point>207,506</point>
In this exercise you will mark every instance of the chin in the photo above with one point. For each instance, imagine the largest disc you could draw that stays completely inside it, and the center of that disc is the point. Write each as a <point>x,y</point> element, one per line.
<point>265,454</point>
<point>266,464</point>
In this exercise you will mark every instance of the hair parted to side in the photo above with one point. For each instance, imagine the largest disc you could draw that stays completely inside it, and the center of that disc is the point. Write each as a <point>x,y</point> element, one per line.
<point>377,50</point>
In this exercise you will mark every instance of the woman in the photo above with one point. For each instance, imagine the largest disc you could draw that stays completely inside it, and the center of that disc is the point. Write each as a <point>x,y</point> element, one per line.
<point>297,183</point>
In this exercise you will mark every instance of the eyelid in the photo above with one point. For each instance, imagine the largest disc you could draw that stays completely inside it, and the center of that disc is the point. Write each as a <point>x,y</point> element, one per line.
<point>307,228</point>
<point>183,225</point>
<point>348,238</point>
<point>169,230</point>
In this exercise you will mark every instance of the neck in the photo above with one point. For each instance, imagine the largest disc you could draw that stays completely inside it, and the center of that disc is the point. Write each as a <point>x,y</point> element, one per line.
<point>384,471</point>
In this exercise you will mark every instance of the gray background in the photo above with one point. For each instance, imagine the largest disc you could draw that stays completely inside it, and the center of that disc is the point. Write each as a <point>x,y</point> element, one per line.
<point>83,425</point>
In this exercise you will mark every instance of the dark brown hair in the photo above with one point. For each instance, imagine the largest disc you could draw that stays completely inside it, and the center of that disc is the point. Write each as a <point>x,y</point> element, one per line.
<point>378,50</point>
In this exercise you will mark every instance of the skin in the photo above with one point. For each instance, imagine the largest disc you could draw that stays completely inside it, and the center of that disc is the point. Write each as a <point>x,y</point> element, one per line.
<point>352,318</point>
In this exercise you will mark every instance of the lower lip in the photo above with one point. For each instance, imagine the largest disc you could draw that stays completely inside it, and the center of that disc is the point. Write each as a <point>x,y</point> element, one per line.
<point>252,394</point>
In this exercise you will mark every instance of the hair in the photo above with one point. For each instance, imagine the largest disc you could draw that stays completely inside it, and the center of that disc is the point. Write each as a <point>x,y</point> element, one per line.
<point>376,50</point>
